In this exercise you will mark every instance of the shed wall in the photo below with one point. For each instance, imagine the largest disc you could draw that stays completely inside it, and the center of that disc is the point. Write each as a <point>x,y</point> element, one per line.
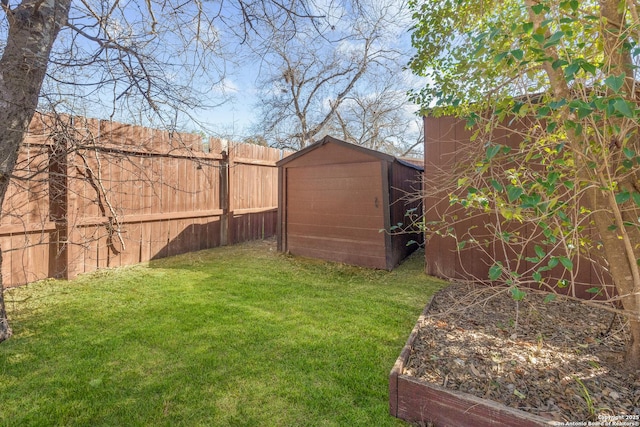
<point>446,143</point>
<point>405,187</point>
<point>335,211</point>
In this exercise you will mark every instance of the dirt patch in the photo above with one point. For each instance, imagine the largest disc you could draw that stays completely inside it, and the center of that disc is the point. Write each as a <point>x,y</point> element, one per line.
<point>559,359</point>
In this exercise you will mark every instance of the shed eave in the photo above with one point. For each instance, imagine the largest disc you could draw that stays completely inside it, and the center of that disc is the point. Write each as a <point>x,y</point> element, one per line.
<point>329,139</point>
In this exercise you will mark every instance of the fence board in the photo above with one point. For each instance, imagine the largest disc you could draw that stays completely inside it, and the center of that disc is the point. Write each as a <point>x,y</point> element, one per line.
<point>446,143</point>
<point>163,191</point>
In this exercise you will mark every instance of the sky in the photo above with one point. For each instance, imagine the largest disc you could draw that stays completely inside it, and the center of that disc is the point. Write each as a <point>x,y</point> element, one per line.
<point>242,111</point>
<point>239,87</point>
<point>239,113</point>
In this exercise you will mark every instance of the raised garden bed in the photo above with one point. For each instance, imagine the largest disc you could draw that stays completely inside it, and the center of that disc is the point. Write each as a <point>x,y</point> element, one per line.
<point>477,358</point>
<point>418,401</point>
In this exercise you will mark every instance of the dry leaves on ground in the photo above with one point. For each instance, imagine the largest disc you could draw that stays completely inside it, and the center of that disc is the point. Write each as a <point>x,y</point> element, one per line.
<point>559,359</point>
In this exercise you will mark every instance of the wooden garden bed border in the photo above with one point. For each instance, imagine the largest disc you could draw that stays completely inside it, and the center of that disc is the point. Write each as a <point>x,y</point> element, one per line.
<point>415,400</point>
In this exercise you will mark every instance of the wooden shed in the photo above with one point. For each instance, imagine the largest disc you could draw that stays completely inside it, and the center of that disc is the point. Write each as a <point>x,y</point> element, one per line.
<point>339,202</point>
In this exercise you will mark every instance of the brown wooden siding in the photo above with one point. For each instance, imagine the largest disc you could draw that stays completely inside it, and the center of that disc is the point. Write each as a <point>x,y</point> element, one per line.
<point>338,201</point>
<point>334,212</point>
<point>168,194</point>
<point>405,186</point>
<point>446,142</point>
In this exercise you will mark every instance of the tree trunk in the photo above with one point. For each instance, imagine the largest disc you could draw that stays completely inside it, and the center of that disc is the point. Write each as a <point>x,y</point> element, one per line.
<point>33,28</point>
<point>620,245</point>
<point>5,329</point>
<point>619,253</point>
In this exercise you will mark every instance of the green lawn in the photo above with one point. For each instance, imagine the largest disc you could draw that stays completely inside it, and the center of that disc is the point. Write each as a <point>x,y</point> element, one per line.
<point>240,335</point>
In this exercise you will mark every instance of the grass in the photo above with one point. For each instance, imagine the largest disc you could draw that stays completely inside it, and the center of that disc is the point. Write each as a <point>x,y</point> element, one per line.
<point>231,336</point>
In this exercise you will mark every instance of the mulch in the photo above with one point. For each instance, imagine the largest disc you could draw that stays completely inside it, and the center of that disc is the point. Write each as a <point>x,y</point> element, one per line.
<point>561,360</point>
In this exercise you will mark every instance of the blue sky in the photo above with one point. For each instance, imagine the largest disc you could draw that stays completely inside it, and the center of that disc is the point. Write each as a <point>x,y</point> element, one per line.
<point>242,110</point>
<point>241,73</point>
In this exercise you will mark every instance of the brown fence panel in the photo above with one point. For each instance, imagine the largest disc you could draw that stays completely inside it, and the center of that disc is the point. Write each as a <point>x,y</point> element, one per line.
<point>253,180</point>
<point>25,229</point>
<point>91,194</point>
<point>447,142</point>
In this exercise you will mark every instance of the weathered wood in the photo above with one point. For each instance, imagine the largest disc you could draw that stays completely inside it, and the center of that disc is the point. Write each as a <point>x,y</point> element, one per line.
<point>45,227</point>
<point>447,141</point>
<point>418,401</point>
<point>255,210</point>
<point>125,194</point>
<point>335,204</point>
<point>180,215</point>
<point>257,162</point>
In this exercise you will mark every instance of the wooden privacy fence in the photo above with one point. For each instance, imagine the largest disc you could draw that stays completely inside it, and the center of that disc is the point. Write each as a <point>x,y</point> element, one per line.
<point>89,194</point>
<point>448,142</point>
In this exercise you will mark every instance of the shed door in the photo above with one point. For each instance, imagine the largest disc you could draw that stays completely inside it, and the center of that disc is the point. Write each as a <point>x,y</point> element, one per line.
<point>336,212</point>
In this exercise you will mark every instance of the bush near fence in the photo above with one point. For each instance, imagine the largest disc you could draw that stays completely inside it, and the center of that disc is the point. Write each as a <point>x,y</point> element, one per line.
<point>447,143</point>
<point>89,194</point>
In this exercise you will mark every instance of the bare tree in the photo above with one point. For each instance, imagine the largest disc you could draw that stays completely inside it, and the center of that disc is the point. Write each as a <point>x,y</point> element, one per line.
<point>310,75</point>
<point>137,60</point>
<point>379,116</point>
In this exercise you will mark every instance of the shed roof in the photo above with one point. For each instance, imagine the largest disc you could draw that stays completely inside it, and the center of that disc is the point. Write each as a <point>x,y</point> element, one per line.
<point>331,140</point>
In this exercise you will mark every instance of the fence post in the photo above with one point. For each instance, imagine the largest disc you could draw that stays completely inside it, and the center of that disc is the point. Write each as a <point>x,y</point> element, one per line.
<point>58,208</point>
<point>224,197</point>
<point>230,193</point>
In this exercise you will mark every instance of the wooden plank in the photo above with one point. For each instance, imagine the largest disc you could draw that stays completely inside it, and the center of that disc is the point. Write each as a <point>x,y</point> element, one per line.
<point>386,215</point>
<point>281,231</point>
<point>254,210</point>
<point>185,193</point>
<point>419,401</point>
<point>75,253</point>
<point>336,231</point>
<point>27,228</point>
<point>5,245</point>
<point>371,203</point>
<point>93,221</point>
<point>131,237</point>
<point>223,201</point>
<point>351,257</point>
<point>16,259</point>
<point>145,243</point>
<point>331,154</point>
<point>296,216</point>
<point>158,240</point>
<point>155,192</point>
<point>250,161</point>
<point>369,247</point>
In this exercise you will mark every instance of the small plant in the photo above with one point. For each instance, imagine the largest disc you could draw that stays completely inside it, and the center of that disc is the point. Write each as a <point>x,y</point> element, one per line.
<point>539,343</point>
<point>587,398</point>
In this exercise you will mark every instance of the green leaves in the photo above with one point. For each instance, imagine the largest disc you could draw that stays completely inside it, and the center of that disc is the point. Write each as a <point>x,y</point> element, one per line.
<point>517,294</point>
<point>594,290</point>
<point>514,193</point>
<point>554,39</point>
<point>517,54</point>
<point>492,150</point>
<point>622,197</point>
<point>615,82</point>
<point>629,153</point>
<point>527,27</point>
<point>566,263</point>
<point>539,8</point>
<point>624,107</point>
<point>495,271</point>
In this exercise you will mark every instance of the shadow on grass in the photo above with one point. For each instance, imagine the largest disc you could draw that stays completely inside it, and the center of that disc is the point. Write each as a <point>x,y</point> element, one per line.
<point>230,336</point>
